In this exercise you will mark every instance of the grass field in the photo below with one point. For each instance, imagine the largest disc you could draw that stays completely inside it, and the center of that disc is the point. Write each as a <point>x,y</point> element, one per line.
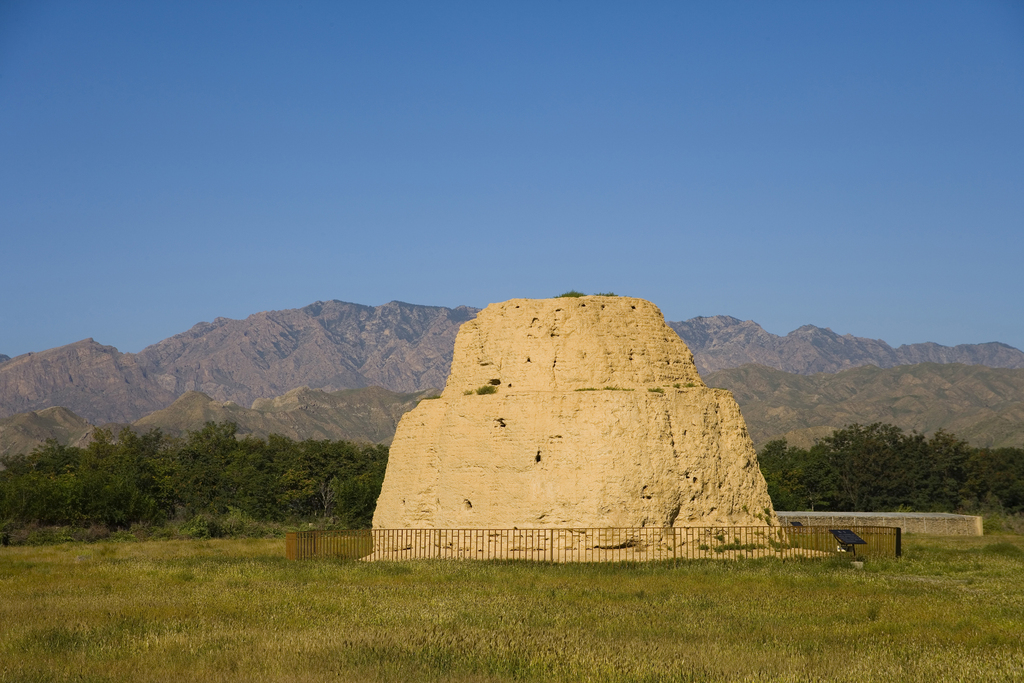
<point>951,610</point>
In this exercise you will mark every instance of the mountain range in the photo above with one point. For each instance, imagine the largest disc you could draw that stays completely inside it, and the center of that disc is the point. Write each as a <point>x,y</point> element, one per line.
<point>720,342</point>
<point>370,415</point>
<point>984,406</point>
<point>406,348</point>
<point>328,345</point>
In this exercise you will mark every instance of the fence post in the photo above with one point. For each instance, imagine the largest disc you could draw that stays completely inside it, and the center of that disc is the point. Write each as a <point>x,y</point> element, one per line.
<point>585,545</point>
<point>290,546</point>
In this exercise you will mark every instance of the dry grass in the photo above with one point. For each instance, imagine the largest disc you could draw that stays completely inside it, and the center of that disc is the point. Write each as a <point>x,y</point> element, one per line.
<point>952,609</point>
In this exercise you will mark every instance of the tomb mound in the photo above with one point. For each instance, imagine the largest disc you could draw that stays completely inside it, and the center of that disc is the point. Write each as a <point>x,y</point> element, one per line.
<point>572,412</point>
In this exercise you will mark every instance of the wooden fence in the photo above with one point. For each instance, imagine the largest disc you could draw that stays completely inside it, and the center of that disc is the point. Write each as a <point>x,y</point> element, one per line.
<point>590,545</point>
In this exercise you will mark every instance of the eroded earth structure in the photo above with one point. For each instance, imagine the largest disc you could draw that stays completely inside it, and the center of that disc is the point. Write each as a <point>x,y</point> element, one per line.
<point>572,412</point>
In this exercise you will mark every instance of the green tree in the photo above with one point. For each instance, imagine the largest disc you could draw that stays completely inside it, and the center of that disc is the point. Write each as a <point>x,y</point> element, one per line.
<point>797,478</point>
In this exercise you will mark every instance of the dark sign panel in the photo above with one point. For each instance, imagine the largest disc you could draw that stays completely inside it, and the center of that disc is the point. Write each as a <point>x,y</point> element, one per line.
<point>847,537</point>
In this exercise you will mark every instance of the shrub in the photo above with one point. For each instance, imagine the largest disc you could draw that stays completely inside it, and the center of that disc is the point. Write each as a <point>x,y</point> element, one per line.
<point>199,527</point>
<point>48,536</point>
<point>737,546</point>
<point>487,389</point>
<point>140,531</point>
<point>572,294</point>
<point>5,532</point>
<point>992,524</point>
<point>92,533</point>
<point>656,390</point>
<point>239,524</point>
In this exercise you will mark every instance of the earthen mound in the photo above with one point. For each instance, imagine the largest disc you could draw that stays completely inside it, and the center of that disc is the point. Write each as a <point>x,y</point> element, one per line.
<point>572,412</point>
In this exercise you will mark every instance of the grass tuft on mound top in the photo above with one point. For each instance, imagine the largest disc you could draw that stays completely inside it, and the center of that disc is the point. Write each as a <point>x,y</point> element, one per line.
<point>572,293</point>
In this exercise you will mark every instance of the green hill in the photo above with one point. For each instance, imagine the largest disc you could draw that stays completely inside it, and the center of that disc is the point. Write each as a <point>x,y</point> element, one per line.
<point>984,406</point>
<point>368,415</point>
<point>22,432</point>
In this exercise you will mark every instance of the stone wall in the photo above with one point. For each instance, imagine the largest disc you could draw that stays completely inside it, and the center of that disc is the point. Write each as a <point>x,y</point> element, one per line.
<point>938,523</point>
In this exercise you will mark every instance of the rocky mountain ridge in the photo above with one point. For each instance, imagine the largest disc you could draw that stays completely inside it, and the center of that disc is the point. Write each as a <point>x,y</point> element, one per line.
<point>330,345</point>
<point>402,347</point>
<point>721,341</point>
<point>94,381</point>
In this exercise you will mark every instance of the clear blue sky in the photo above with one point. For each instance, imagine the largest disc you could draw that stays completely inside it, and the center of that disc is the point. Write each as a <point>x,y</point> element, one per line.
<point>853,165</point>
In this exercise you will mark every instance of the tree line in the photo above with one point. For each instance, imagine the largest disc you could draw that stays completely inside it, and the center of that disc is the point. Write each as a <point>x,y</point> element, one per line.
<point>150,478</point>
<point>879,467</point>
